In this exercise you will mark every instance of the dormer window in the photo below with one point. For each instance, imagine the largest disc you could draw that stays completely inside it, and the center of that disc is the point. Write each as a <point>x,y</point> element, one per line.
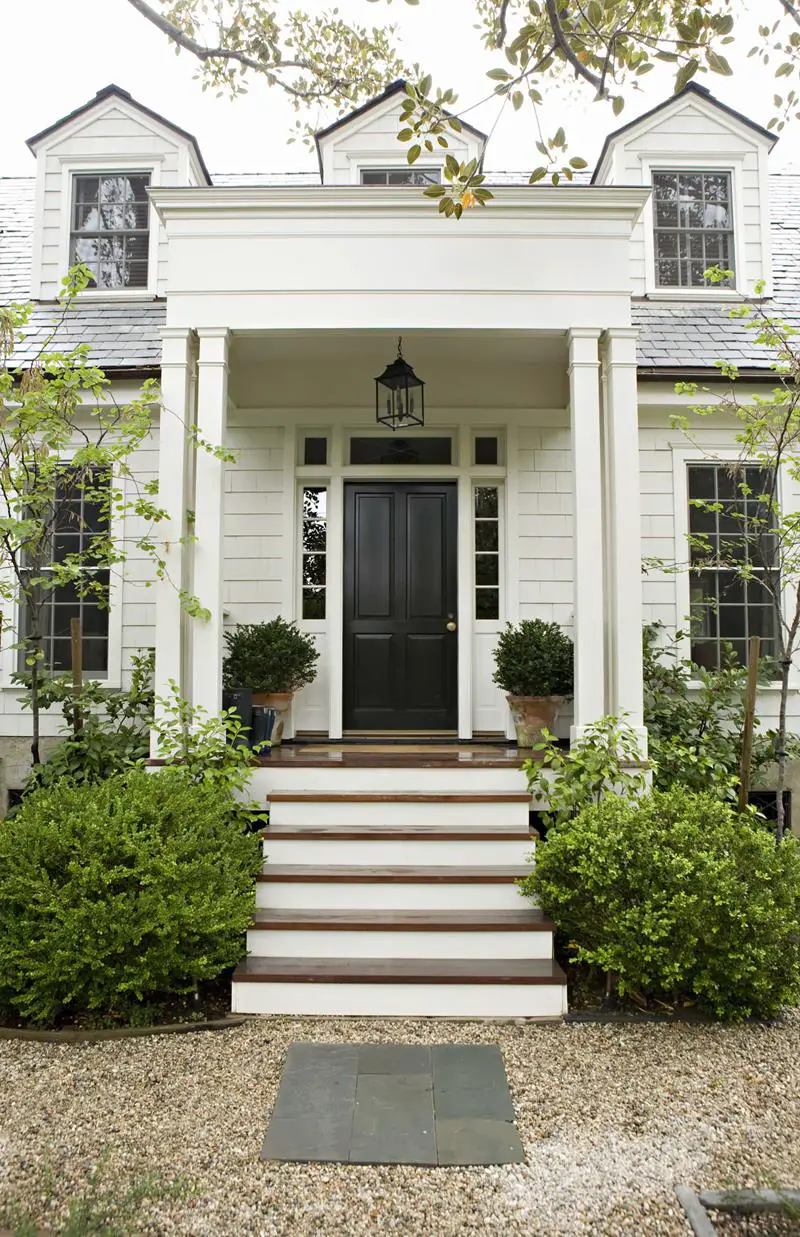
<point>693,226</point>
<point>401,176</point>
<point>110,228</point>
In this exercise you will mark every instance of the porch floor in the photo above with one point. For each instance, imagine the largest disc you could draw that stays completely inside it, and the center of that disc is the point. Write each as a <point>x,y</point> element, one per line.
<point>324,754</point>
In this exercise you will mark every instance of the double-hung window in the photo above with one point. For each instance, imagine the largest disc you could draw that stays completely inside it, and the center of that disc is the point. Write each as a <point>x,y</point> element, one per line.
<point>733,562</point>
<point>693,226</point>
<point>111,229</point>
<point>79,523</point>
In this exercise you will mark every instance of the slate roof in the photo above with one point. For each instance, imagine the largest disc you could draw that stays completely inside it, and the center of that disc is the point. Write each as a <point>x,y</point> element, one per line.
<point>686,334</point>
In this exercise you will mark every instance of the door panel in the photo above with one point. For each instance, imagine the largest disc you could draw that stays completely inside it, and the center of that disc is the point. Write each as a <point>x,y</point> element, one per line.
<point>400,661</point>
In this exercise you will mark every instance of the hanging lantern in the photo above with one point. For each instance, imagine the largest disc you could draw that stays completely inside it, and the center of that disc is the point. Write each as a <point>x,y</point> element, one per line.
<point>399,395</point>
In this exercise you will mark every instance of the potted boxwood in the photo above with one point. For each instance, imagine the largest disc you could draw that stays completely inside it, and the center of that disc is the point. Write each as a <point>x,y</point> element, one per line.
<point>273,660</point>
<point>534,666</point>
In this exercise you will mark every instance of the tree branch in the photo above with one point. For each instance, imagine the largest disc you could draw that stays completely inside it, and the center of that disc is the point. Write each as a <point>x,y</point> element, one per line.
<point>791,10</point>
<point>502,23</point>
<point>563,46</point>
<point>203,53</point>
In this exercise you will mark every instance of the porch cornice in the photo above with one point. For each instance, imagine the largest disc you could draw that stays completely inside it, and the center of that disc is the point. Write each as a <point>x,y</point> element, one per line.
<point>332,201</point>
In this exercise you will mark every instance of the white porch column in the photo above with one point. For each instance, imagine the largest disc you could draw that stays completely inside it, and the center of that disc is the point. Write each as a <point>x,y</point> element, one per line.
<point>212,416</point>
<point>176,414</point>
<point>624,512</point>
<point>587,473</point>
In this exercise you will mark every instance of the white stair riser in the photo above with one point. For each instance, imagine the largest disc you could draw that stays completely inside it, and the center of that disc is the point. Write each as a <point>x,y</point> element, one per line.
<point>402,1000</point>
<point>378,853</point>
<point>399,814</point>
<point>324,895</point>
<point>466,780</point>
<point>307,943</point>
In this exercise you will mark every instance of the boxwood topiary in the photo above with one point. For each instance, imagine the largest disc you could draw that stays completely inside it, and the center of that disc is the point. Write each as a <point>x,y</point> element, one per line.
<point>678,896</point>
<point>269,657</point>
<point>120,891</point>
<point>534,659</point>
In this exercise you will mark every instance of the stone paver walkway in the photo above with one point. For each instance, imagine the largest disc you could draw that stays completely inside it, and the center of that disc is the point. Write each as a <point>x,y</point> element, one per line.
<point>393,1104</point>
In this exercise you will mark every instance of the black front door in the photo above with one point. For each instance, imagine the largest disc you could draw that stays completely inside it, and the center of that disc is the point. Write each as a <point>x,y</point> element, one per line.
<point>400,660</point>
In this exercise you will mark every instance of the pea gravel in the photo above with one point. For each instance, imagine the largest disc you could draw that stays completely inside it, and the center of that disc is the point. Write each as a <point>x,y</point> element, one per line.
<point>611,1117</point>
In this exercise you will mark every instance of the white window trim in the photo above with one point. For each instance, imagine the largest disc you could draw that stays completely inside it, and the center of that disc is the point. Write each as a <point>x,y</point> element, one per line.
<point>373,160</point>
<point>730,163</point>
<point>681,457</point>
<point>9,657</point>
<point>91,165</point>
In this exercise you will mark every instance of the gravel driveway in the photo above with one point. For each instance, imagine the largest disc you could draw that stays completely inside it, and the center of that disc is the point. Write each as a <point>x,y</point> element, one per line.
<point>611,1118</point>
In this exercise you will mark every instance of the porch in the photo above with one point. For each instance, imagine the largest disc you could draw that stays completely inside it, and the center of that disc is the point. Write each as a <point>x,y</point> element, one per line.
<point>518,498</point>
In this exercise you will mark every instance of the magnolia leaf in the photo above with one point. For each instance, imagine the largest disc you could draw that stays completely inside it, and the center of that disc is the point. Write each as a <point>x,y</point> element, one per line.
<point>414,154</point>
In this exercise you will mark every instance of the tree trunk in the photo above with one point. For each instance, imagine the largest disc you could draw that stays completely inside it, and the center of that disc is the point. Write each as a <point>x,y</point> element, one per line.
<point>786,665</point>
<point>35,753</point>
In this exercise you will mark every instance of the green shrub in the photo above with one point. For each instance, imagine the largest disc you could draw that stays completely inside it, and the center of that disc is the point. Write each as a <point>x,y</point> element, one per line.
<point>269,657</point>
<point>120,891</point>
<point>606,758</point>
<point>677,897</point>
<point>534,659</point>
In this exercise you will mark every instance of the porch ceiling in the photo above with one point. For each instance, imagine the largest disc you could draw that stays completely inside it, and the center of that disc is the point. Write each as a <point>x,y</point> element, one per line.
<point>330,369</point>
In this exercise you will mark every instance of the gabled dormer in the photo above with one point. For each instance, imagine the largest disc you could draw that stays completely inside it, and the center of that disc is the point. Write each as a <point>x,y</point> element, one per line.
<point>362,147</point>
<point>708,168</point>
<point>94,169</point>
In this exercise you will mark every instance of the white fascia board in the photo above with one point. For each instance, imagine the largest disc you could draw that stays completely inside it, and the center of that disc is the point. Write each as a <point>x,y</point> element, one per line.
<point>572,202</point>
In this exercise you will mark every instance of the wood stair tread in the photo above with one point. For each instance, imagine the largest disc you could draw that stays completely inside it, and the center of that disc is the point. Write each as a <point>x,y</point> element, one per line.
<point>369,796</point>
<point>394,833</point>
<point>528,920</point>
<point>362,874</point>
<point>399,971</point>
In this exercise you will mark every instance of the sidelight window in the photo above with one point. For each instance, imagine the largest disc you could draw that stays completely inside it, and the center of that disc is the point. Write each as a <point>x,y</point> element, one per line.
<point>314,551</point>
<point>487,551</point>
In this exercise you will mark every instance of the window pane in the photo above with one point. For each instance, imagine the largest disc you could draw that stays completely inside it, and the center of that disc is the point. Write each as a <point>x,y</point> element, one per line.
<point>375,450</point>
<point>487,569</point>
<point>485,450</point>
<point>313,603</point>
<point>486,502</point>
<point>315,451</point>
<point>486,535</point>
<point>487,603</point>
<point>314,536</point>
<point>314,503</point>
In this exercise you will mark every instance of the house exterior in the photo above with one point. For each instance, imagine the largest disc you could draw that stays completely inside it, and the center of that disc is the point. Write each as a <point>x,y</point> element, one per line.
<point>549,329</point>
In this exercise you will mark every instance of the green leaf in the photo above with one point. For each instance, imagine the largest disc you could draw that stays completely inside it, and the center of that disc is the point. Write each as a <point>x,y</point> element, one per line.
<point>499,75</point>
<point>578,163</point>
<point>435,191</point>
<point>618,104</point>
<point>536,175</point>
<point>685,74</point>
<point>414,154</point>
<point>405,135</point>
<point>718,64</point>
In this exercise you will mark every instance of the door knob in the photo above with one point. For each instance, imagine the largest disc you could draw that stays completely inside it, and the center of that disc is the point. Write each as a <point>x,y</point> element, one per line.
<point>451,626</point>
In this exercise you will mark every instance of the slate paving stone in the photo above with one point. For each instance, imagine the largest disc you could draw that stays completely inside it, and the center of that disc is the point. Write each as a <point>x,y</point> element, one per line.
<point>393,1104</point>
<point>394,1121</point>
<point>477,1142</point>
<point>470,1082</point>
<point>394,1059</point>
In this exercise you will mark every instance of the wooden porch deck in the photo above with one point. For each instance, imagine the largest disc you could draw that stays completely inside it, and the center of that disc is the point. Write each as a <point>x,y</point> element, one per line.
<point>326,754</point>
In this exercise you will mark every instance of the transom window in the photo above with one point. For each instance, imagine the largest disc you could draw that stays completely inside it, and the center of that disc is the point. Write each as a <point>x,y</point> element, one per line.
<point>80,520</point>
<point>731,552</point>
<point>693,226</point>
<point>401,176</point>
<point>111,230</point>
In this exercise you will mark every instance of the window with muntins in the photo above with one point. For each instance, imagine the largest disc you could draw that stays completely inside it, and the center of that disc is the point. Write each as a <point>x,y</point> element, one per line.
<point>693,219</point>
<point>401,176</point>
<point>314,553</point>
<point>732,554</point>
<point>487,552</point>
<point>79,521</point>
<point>111,229</point>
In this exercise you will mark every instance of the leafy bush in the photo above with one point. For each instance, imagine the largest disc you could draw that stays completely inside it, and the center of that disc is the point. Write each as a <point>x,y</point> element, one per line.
<point>119,891</point>
<point>677,897</point>
<point>605,759</point>
<point>269,657</point>
<point>695,717</point>
<point>534,659</point>
<point>107,729</point>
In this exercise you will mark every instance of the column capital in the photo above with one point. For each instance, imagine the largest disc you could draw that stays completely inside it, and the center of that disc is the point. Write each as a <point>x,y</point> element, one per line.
<point>620,346</point>
<point>214,343</point>
<point>584,347</point>
<point>177,346</point>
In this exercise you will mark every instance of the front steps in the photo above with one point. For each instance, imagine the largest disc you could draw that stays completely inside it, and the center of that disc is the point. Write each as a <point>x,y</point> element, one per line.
<point>375,900</point>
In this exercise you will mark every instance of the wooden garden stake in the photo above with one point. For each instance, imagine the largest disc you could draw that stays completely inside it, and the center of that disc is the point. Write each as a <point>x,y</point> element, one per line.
<point>749,721</point>
<point>77,673</point>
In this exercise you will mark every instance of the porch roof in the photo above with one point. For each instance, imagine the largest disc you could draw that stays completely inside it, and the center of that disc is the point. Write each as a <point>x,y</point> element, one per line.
<point>672,334</point>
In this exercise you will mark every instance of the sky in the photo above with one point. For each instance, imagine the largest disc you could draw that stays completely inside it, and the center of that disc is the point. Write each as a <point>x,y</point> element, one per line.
<point>58,53</point>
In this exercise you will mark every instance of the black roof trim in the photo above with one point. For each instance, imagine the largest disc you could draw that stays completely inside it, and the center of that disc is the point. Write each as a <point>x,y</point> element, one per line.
<point>112,91</point>
<point>691,88</point>
<point>708,373</point>
<point>392,89</point>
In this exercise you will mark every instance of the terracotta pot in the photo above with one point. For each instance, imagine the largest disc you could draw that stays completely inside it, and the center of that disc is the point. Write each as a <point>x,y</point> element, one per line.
<point>281,702</point>
<point>531,714</point>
